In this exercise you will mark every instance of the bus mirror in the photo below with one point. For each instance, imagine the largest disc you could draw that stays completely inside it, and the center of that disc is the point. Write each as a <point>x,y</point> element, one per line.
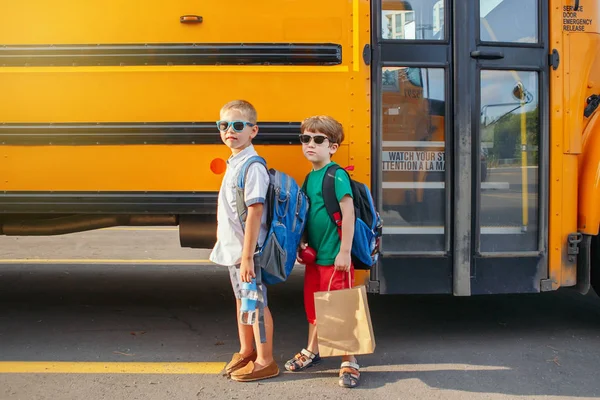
<point>518,92</point>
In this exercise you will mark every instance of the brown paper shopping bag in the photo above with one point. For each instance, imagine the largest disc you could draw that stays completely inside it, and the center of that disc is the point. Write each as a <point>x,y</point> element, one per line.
<point>344,322</point>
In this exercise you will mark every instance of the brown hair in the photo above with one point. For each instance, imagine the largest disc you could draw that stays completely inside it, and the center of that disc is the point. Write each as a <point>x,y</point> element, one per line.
<point>242,106</point>
<point>326,125</point>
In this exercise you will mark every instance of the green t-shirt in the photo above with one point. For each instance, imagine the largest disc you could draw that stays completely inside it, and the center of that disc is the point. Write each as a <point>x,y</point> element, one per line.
<point>322,232</point>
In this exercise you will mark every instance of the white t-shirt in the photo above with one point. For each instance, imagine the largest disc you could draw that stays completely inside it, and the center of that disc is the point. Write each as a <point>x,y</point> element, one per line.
<point>230,235</point>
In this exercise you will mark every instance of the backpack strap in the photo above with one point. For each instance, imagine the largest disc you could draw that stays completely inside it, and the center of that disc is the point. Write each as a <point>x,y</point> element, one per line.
<point>240,202</point>
<point>332,205</point>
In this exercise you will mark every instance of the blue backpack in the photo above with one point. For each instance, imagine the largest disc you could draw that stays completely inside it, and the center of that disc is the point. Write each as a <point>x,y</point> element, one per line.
<point>368,224</point>
<point>287,207</point>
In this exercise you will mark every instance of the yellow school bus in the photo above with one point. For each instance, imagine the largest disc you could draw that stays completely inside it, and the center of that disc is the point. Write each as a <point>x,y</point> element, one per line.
<point>474,122</point>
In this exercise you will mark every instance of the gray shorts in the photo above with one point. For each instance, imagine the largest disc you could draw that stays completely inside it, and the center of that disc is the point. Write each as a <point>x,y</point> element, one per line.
<point>236,284</point>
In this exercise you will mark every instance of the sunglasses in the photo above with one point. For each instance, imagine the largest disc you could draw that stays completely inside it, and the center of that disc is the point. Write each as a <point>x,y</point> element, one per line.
<point>238,126</point>
<point>317,139</point>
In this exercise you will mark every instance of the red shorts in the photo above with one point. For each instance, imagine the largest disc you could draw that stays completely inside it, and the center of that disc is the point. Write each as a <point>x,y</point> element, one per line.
<point>316,279</point>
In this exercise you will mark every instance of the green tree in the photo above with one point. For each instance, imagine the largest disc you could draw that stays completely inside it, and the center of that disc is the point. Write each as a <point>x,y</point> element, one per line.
<point>507,137</point>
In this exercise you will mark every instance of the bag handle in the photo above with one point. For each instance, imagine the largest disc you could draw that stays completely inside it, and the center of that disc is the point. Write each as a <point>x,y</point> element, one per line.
<point>331,280</point>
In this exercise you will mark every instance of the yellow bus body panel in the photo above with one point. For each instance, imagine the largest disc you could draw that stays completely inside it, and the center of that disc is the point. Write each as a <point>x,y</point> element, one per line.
<point>177,93</point>
<point>576,78</point>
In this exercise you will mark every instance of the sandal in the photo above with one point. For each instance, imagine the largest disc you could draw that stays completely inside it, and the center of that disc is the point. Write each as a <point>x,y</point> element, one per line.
<point>303,360</point>
<point>349,375</point>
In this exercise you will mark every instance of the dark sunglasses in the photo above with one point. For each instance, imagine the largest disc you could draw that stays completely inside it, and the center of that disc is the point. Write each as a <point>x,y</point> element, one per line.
<point>318,139</point>
<point>238,126</point>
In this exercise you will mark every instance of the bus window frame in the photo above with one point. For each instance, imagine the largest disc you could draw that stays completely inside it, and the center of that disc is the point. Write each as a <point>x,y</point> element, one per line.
<point>542,37</point>
<point>394,50</point>
<point>448,140</point>
<point>378,10</point>
<point>438,55</point>
<point>543,164</point>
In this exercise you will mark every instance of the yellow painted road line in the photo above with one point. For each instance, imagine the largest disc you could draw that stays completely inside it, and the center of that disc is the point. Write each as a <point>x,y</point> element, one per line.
<point>35,367</point>
<point>95,261</point>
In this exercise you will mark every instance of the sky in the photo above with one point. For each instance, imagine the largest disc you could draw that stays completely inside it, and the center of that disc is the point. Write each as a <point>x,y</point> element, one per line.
<point>487,5</point>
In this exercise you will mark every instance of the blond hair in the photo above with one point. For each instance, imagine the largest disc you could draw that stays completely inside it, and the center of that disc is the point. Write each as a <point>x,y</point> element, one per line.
<point>326,125</point>
<point>242,106</point>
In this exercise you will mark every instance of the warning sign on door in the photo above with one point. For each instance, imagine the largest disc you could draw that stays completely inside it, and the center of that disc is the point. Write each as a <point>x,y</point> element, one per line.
<point>579,20</point>
<point>413,161</point>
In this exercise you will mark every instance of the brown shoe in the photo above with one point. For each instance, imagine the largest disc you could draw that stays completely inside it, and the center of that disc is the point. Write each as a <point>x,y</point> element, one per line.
<point>252,372</point>
<point>237,362</point>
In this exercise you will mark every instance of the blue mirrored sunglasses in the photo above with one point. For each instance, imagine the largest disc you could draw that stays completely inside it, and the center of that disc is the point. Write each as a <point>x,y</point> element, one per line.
<point>238,126</point>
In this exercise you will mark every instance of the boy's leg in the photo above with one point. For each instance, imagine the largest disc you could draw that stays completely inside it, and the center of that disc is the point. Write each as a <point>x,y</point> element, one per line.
<point>312,284</point>
<point>349,370</point>
<point>340,281</point>
<point>349,358</point>
<point>264,351</point>
<point>310,355</point>
<point>245,333</point>
<point>265,366</point>
<point>313,341</point>
<point>318,279</point>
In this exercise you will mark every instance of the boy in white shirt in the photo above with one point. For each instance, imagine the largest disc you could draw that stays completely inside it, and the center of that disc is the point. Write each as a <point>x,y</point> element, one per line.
<point>235,246</point>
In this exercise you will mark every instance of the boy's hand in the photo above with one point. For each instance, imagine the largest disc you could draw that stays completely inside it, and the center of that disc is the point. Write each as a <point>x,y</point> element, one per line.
<point>342,261</point>
<point>303,245</point>
<point>247,270</point>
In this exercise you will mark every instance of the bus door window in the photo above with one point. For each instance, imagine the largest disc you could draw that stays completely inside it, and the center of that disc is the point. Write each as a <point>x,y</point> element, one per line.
<point>413,20</point>
<point>510,132</point>
<point>413,159</point>
<point>514,21</point>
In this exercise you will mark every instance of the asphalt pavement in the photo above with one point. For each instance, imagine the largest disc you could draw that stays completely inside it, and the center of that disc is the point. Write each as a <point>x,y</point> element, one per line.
<point>109,315</point>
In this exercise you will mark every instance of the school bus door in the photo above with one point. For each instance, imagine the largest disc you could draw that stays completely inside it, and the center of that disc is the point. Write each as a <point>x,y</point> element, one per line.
<point>461,143</point>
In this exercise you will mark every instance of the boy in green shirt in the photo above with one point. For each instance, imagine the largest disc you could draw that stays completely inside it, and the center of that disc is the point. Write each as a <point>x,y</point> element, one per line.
<point>321,137</point>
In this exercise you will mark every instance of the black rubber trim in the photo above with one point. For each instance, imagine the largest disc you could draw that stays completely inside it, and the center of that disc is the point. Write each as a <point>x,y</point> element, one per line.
<point>108,202</point>
<point>171,54</point>
<point>280,133</point>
